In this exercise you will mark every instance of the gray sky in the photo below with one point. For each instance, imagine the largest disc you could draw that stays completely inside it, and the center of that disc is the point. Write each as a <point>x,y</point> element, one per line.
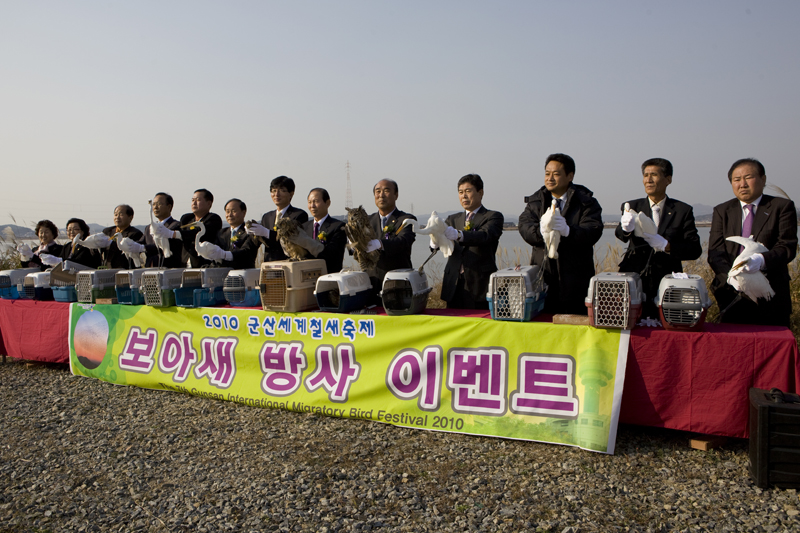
<point>104,103</point>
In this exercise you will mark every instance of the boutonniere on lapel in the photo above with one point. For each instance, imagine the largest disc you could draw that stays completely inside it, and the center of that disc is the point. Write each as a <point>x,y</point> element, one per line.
<point>322,236</point>
<point>468,225</point>
<point>388,229</point>
<point>236,238</point>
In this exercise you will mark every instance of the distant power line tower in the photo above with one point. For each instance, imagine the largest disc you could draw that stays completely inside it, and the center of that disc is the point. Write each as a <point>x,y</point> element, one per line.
<point>348,201</point>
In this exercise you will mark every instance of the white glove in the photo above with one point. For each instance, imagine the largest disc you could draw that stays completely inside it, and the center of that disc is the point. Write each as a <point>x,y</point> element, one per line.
<point>373,245</point>
<point>160,230</point>
<point>434,246</point>
<point>304,240</point>
<point>25,252</point>
<point>259,230</point>
<point>130,246</point>
<point>733,281</point>
<point>50,260</point>
<point>656,241</point>
<point>754,263</point>
<point>212,252</point>
<point>626,221</point>
<point>451,233</point>
<point>559,224</point>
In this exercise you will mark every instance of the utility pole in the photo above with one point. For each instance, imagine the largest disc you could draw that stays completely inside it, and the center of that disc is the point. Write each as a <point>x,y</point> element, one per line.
<point>348,202</point>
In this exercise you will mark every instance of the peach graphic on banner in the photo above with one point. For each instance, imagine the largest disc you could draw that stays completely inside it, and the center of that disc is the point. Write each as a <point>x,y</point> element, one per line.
<point>91,339</point>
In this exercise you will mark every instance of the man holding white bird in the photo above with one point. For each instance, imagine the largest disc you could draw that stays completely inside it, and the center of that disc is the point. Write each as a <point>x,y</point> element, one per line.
<point>770,221</point>
<point>658,249</point>
<point>475,233</point>
<point>567,259</point>
<point>165,229</point>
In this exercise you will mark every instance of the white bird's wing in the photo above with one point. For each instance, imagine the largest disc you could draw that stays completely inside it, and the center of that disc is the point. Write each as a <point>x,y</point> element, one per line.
<point>644,224</point>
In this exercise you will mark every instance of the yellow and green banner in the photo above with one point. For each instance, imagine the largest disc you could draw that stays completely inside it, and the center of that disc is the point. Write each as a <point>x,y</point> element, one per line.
<point>532,381</point>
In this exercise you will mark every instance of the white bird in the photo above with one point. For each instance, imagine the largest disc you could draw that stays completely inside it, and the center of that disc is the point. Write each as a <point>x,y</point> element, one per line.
<point>160,241</point>
<point>98,241</point>
<point>200,247</point>
<point>644,224</point>
<point>435,229</point>
<point>262,250</point>
<point>552,238</point>
<point>138,259</point>
<point>753,284</point>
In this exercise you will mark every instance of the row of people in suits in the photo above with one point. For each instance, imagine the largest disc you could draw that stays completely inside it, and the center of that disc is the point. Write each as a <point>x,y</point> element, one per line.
<point>476,232</point>
<point>773,223</point>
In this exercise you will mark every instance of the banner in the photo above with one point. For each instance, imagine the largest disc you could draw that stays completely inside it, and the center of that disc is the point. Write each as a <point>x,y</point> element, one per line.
<point>533,381</point>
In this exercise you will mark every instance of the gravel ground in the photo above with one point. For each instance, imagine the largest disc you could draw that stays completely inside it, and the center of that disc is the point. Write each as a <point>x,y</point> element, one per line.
<point>78,454</point>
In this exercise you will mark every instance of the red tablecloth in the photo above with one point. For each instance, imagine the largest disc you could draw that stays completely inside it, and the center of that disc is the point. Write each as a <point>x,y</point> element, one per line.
<point>700,381</point>
<point>35,330</point>
<point>679,380</point>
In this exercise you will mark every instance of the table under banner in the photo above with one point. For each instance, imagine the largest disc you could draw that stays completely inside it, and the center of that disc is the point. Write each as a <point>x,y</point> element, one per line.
<point>691,381</point>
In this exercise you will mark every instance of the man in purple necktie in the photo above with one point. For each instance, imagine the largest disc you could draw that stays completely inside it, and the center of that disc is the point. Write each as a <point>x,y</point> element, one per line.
<point>769,220</point>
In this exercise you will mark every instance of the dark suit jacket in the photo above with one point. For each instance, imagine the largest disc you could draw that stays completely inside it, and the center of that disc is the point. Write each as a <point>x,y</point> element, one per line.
<point>396,251</point>
<point>568,276</point>
<point>476,253</point>
<point>335,242</point>
<point>212,223</point>
<point>113,256</point>
<point>774,226</point>
<point>677,226</point>
<point>274,252</point>
<point>154,255</point>
<point>244,254</point>
<point>55,249</point>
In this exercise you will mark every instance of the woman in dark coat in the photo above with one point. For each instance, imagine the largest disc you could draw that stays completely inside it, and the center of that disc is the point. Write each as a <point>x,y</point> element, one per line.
<point>47,233</point>
<point>80,254</point>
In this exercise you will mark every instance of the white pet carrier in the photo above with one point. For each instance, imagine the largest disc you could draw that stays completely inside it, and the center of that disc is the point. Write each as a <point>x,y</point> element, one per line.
<point>516,293</point>
<point>241,287</point>
<point>93,284</point>
<point>342,292</point>
<point>289,285</point>
<point>158,286</point>
<point>683,301</point>
<point>36,286</point>
<point>128,283</point>
<point>615,300</point>
<point>10,280</point>
<point>405,292</point>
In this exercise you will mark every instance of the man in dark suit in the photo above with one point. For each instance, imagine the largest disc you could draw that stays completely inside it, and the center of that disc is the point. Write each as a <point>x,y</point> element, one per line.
<point>281,189</point>
<point>234,249</point>
<point>772,222</point>
<point>394,248</point>
<point>475,233</point>
<point>162,210</point>
<point>113,255</point>
<point>202,200</point>
<point>324,230</point>
<point>655,256</point>
<point>580,224</point>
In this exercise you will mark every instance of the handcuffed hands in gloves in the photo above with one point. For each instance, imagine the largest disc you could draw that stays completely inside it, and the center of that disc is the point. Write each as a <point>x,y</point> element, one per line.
<point>373,245</point>
<point>626,221</point>
<point>754,263</point>
<point>451,233</point>
<point>50,260</point>
<point>25,252</point>
<point>304,240</point>
<point>559,224</point>
<point>212,252</point>
<point>656,241</point>
<point>130,246</point>
<point>259,230</point>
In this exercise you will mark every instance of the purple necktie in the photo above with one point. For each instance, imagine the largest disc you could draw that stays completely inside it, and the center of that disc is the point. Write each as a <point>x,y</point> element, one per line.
<point>747,227</point>
<point>469,216</point>
<point>316,229</point>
